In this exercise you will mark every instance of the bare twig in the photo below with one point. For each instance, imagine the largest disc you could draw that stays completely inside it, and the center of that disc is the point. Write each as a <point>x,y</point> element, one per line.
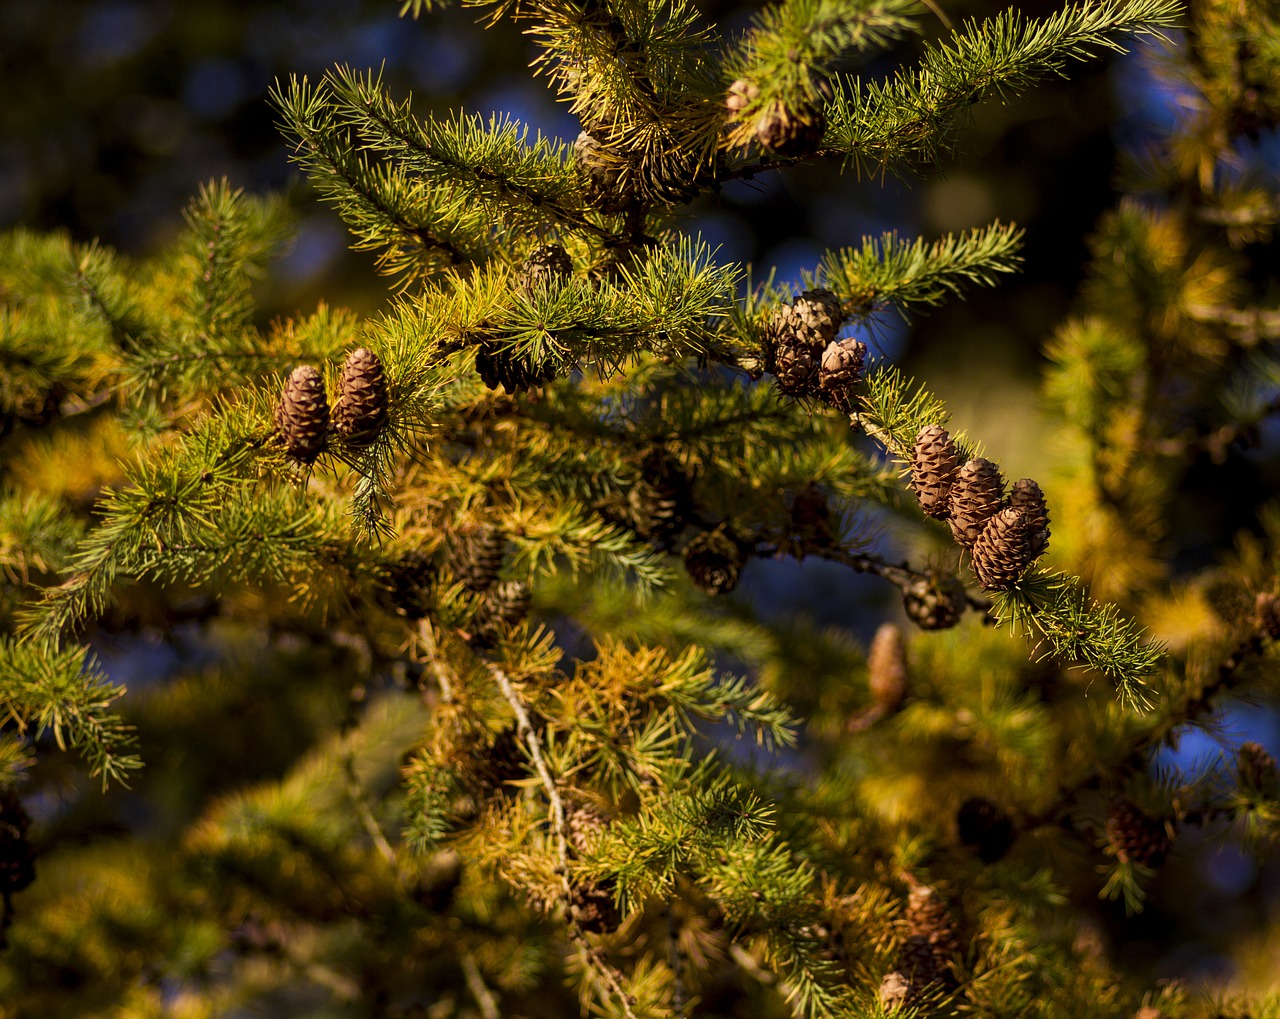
<point>356,795</point>
<point>476,985</point>
<point>560,831</point>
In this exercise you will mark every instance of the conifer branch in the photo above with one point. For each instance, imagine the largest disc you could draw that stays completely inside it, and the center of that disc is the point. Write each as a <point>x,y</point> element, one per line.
<point>894,409</point>
<point>794,45</point>
<point>492,164</point>
<point>1076,628</point>
<point>893,272</point>
<point>62,692</point>
<point>417,230</point>
<point>915,115</point>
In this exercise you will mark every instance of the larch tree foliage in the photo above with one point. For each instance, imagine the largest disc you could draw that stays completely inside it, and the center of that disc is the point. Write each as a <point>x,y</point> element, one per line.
<point>441,702</point>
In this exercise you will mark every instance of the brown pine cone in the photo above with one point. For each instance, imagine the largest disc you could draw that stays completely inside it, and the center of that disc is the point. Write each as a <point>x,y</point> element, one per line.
<point>1257,769</point>
<point>548,264</point>
<point>1027,497</point>
<point>585,823</point>
<point>500,366</point>
<point>811,320</point>
<point>841,371</point>
<point>1136,837</point>
<point>895,991</point>
<point>741,94</point>
<point>935,603</point>
<point>887,668</point>
<point>478,557</point>
<point>1005,548</point>
<point>361,411</point>
<point>302,415</point>
<point>505,605</point>
<point>603,172</point>
<point>791,131</point>
<point>506,760</point>
<point>592,908</point>
<point>796,368</point>
<point>934,465</point>
<point>660,500</point>
<point>1266,613</point>
<point>409,582</point>
<point>920,964</point>
<point>714,562</point>
<point>927,915</point>
<point>976,496</point>
<point>809,525</point>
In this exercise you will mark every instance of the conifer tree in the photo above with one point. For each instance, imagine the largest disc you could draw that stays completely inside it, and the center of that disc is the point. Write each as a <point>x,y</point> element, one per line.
<point>458,712</point>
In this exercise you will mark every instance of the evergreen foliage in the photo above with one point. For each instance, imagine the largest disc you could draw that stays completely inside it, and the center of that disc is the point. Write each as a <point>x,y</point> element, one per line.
<point>463,718</point>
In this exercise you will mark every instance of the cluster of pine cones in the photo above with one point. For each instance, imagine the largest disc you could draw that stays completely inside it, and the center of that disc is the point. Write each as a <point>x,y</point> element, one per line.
<point>1135,836</point>
<point>1004,534</point>
<point>302,416</point>
<point>779,129</point>
<point>658,507</point>
<point>801,349</point>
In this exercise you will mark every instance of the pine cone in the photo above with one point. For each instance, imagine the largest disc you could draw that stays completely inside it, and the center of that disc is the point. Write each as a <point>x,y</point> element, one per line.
<point>714,562</point>
<point>585,824</point>
<point>17,858</point>
<point>934,466</point>
<point>1228,600</point>
<point>926,955</point>
<point>796,337</point>
<point>1136,837</point>
<point>1027,497</point>
<point>920,965</point>
<point>741,94</point>
<point>592,908</point>
<point>1257,769</point>
<point>976,496</point>
<point>505,605</point>
<point>361,411</point>
<point>895,991</point>
<point>809,525</point>
<point>982,825</point>
<point>795,132</point>
<point>797,369</point>
<point>811,320</point>
<point>929,917</point>
<point>1266,613</point>
<point>500,366</point>
<point>1005,548</point>
<point>302,415</point>
<point>504,761</point>
<point>602,172</point>
<point>478,557</point>
<point>936,603</point>
<point>35,405</point>
<point>409,584</point>
<point>660,500</point>
<point>887,668</point>
<point>841,371</point>
<point>548,264</point>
